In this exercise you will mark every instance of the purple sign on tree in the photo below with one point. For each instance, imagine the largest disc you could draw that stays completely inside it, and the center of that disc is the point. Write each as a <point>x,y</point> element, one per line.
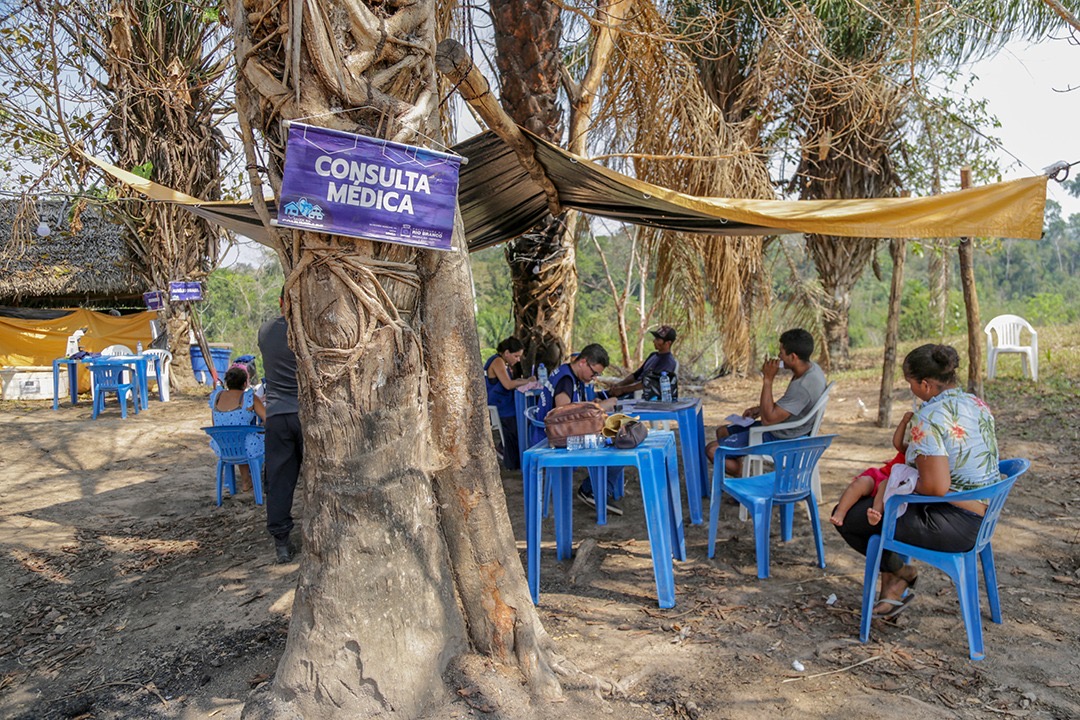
<point>344,184</point>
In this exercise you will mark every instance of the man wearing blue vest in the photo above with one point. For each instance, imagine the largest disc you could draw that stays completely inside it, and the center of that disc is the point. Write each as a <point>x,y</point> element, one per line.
<point>567,385</point>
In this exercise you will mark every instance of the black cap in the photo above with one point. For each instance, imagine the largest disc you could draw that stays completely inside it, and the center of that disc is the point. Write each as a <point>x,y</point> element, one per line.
<point>664,332</point>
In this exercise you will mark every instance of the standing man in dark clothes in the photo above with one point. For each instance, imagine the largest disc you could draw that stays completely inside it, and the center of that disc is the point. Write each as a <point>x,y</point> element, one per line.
<point>284,439</point>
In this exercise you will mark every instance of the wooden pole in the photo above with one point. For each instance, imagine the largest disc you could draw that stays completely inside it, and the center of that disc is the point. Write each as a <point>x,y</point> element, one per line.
<point>898,251</point>
<point>454,62</point>
<point>971,303</point>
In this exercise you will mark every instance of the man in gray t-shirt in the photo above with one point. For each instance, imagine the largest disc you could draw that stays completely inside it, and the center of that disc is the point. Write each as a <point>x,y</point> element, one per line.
<point>806,387</point>
<point>284,436</point>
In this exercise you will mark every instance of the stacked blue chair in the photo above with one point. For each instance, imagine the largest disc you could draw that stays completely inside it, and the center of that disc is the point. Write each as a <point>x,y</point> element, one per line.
<point>109,377</point>
<point>233,449</point>
<point>788,483</point>
<point>961,567</point>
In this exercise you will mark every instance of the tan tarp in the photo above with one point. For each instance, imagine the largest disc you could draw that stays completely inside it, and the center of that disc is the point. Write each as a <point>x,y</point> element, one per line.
<point>29,343</point>
<point>499,202</point>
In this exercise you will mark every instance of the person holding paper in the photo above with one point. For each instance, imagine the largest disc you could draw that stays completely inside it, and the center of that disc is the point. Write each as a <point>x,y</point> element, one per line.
<point>806,387</point>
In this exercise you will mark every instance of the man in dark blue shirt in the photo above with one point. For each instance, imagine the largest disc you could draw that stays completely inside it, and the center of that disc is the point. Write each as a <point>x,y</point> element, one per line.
<point>647,377</point>
<point>284,438</point>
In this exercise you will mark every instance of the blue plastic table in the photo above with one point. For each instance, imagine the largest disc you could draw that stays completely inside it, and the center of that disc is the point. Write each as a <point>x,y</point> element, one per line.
<point>658,469</point>
<point>73,380</point>
<point>688,413</point>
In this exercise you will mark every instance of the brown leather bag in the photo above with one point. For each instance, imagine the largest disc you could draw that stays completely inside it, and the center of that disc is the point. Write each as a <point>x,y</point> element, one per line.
<point>584,418</point>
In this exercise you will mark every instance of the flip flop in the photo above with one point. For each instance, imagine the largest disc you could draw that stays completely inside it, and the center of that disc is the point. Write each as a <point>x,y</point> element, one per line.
<point>895,606</point>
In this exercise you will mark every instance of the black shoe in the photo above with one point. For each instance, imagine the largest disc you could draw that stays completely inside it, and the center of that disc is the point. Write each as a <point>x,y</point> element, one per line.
<point>589,500</point>
<point>282,551</point>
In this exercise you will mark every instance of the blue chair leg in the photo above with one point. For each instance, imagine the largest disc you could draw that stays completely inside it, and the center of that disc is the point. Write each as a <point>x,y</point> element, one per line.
<point>967,587</point>
<point>121,397</point>
<point>870,577</point>
<point>762,522</point>
<point>990,578</point>
<point>230,478</point>
<point>815,522</point>
<point>220,480</point>
<point>787,517</point>
<point>255,464</point>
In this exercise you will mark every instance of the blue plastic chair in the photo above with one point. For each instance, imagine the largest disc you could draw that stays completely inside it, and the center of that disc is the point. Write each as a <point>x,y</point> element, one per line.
<point>961,567</point>
<point>789,482</point>
<point>109,377</point>
<point>232,450</point>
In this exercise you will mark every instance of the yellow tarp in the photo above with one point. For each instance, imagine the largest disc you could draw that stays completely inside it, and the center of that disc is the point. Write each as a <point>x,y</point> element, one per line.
<point>31,343</point>
<point>499,201</point>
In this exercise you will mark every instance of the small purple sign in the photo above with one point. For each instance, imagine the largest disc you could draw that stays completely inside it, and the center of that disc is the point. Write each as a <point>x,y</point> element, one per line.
<point>344,184</point>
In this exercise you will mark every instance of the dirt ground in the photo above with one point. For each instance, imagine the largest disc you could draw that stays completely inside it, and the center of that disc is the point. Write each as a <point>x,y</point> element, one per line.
<point>125,592</point>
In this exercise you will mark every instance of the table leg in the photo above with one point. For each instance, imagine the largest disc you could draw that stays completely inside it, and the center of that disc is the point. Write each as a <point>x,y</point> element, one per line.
<point>534,476</point>
<point>691,467</point>
<point>675,515</point>
<point>563,479</point>
<point>598,476</point>
<point>56,385</point>
<point>703,459</point>
<point>522,424</point>
<point>654,497</point>
<point>73,381</point>
<point>143,377</point>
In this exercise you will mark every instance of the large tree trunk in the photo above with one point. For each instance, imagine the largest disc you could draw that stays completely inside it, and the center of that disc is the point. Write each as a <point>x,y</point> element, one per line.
<point>409,561</point>
<point>543,262</point>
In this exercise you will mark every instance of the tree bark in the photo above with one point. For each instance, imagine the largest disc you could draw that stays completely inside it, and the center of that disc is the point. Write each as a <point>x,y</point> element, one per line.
<point>898,250</point>
<point>409,562</point>
<point>971,304</point>
<point>543,262</point>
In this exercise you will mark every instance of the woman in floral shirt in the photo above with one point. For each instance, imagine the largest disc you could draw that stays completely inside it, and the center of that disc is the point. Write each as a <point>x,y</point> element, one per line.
<point>954,448</point>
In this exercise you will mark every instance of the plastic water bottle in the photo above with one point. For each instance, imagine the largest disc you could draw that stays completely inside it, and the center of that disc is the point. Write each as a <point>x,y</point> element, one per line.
<point>665,387</point>
<point>138,348</point>
<point>541,375</point>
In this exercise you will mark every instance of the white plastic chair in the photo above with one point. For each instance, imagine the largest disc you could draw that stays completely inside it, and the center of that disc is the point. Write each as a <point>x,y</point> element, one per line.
<point>117,350</point>
<point>1008,329</point>
<point>755,464</point>
<point>165,360</point>
<point>496,424</point>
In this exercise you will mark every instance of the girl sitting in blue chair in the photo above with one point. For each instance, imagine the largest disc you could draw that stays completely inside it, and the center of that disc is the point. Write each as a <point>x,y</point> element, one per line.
<point>237,404</point>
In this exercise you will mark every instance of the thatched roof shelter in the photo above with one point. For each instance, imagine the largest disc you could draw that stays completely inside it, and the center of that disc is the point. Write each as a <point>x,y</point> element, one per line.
<point>85,263</point>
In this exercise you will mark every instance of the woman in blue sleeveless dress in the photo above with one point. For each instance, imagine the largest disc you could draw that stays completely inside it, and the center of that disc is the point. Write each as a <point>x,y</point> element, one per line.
<point>501,385</point>
<point>237,404</point>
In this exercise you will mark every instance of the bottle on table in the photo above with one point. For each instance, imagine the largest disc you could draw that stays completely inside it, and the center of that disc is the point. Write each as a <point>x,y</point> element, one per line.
<point>138,348</point>
<point>665,387</point>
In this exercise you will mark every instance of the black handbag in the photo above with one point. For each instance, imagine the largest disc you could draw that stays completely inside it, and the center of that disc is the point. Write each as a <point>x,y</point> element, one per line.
<point>631,433</point>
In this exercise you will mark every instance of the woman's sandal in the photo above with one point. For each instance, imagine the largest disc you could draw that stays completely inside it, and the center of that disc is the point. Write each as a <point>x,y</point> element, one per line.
<point>897,606</point>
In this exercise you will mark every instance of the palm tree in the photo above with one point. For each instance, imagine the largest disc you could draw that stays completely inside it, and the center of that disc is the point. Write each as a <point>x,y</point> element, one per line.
<point>165,62</point>
<point>833,77</point>
<point>409,559</point>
